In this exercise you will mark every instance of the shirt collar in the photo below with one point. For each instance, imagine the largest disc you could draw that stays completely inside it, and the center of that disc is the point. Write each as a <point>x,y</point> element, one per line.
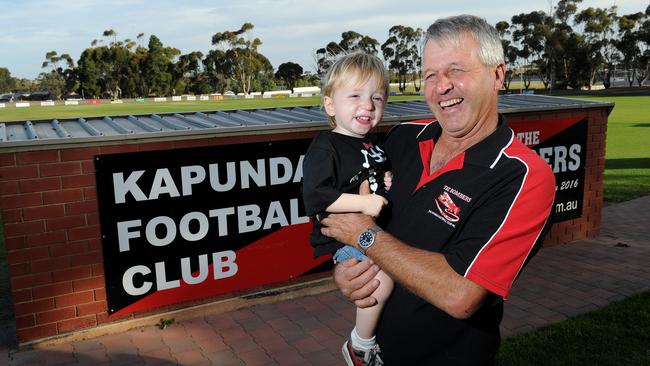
<point>485,152</point>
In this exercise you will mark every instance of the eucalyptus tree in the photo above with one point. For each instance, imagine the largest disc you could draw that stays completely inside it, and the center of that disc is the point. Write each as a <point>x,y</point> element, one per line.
<point>350,41</point>
<point>511,53</point>
<point>528,36</point>
<point>289,73</point>
<point>158,67</point>
<point>403,51</point>
<point>241,55</point>
<point>59,80</point>
<point>634,50</point>
<point>599,29</point>
<point>7,82</point>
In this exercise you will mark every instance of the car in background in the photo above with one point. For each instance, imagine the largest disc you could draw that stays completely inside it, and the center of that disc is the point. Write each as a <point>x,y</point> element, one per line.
<point>7,98</point>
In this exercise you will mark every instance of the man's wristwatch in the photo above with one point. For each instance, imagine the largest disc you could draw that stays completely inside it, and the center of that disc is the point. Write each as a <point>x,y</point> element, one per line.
<point>367,238</point>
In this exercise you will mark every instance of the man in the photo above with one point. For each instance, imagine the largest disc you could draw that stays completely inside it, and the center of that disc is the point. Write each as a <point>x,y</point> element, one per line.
<point>470,206</point>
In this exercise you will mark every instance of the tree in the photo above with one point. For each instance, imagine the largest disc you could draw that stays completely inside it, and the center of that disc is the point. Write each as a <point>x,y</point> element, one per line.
<point>216,71</point>
<point>157,67</point>
<point>290,73</point>
<point>402,52</point>
<point>241,55</point>
<point>528,34</point>
<point>350,41</point>
<point>511,52</point>
<point>598,29</point>
<point>7,83</point>
<point>58,81</point>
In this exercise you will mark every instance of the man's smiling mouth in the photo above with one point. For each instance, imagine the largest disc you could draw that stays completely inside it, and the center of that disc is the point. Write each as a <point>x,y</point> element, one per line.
<point>450,102</point>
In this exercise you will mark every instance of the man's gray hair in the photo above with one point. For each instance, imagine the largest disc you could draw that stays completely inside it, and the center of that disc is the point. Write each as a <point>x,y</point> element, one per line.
<point>452,30</point>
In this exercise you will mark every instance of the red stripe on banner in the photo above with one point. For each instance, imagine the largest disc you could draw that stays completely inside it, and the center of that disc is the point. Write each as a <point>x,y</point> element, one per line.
<point>280,256</point>
<point>547,128</point>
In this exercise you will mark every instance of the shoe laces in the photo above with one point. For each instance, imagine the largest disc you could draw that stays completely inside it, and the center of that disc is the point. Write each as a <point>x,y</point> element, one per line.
<point>373,357</point>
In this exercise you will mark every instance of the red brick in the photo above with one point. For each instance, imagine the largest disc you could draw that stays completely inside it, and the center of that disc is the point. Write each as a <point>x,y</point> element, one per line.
<point>8,159</point>
<point>98,269</point>
<point>55,315</point>
<point>59,169</point>
<point>100,294</point>
<point>88,167</point>
<point>81,233</point>
<point>92,219</point>
<point>74,299</point>
<point>92,308</point>
<point>65,196</point>
<point>66,222</point>
<point>88,284</point>
<point>43,212</point>
<point>27,255</point>
<point>65,249</point>
<point>39,185</point>
<point>21,295</point>
<point>33,307</point>
<point>77,323</point>
<point>25,321</point>
<point>19,269</point>
<point>12,216</point>
<point>163,145</point>
<point>90,193</point>
<point>116,149</point>
<point>18,172</point>
<point>77,181</point>
<point>86,258</point>
<point>31,280</point>
<point>38,332</point>
<point>71,274</point>
<point>9,187</point>
<point>50,264</point>
<point>83,207</point>
<point>23,228</point>
<point>21,200</point>
<point>79,154</point>
<point>14,243</point>
<point>52,290</point>
<point>31,157</point>
<point>47,239</point>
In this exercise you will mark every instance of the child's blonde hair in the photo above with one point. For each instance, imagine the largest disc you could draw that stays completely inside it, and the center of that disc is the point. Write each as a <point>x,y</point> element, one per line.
<point>357,67</point>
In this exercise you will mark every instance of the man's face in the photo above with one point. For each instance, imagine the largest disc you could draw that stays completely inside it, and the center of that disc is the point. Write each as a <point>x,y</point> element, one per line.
<point>459,89</point>
<point>356,107</point>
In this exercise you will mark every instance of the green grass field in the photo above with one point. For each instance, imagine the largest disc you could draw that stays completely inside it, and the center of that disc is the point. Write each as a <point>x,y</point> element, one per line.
<point>627,165</point>
<point>617,334</point>
<point>85,110</point>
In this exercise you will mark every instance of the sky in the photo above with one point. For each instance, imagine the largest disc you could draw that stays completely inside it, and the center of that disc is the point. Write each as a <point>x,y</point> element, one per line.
<point>290,30</point>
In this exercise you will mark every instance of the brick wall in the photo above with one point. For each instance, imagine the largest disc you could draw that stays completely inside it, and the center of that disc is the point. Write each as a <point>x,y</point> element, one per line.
<point>52,235</point>
<point>588,225</point>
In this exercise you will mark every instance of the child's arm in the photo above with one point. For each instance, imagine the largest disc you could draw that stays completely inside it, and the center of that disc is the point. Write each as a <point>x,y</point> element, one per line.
<point>369,204</point>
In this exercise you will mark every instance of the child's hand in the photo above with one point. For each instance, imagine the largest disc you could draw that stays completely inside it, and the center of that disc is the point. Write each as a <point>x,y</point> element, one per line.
<point>374,204</point>
<point>388,180</point>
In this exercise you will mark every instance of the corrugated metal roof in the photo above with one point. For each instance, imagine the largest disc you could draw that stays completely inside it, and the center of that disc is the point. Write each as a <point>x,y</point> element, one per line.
<point>243,120</point>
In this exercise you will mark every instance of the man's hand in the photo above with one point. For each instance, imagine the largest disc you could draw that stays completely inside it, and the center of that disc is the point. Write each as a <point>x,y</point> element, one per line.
<point>346,227</point>
<point>356,281</point>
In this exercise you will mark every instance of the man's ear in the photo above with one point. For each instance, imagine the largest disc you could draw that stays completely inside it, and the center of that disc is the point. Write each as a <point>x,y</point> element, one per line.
<point>499,76</point>
<point>328,103</point>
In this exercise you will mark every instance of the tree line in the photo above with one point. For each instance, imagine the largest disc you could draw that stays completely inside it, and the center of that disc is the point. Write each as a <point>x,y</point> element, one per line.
<point>563,48</point>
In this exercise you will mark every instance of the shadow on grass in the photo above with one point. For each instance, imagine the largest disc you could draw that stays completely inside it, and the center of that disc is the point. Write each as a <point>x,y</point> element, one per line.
<point>630,163</point>
<point>642,125</point>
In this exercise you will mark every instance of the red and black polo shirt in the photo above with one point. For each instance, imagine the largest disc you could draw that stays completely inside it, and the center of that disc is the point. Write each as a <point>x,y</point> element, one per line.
<point>486,211</point>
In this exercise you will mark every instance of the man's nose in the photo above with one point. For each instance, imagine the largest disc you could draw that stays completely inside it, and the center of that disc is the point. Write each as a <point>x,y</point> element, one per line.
<point>443,84</point>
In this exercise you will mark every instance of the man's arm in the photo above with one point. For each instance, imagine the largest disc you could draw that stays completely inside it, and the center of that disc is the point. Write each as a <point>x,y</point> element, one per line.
<point>427,274</point>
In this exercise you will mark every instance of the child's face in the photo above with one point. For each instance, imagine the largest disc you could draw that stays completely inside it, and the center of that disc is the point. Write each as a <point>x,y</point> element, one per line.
<point>356,107</point>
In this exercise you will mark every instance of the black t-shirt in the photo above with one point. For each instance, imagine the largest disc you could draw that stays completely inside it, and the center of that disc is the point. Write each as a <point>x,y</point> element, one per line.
<point>336,164</point>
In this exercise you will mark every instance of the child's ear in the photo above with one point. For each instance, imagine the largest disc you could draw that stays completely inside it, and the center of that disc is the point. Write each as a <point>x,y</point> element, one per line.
<point>328,103</point>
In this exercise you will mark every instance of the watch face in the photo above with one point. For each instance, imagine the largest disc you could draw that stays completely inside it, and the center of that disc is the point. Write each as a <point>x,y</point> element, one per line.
<point>366,238</point>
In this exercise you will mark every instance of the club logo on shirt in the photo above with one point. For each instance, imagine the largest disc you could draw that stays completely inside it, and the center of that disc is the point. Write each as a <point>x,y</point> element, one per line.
<point>447,207</point>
